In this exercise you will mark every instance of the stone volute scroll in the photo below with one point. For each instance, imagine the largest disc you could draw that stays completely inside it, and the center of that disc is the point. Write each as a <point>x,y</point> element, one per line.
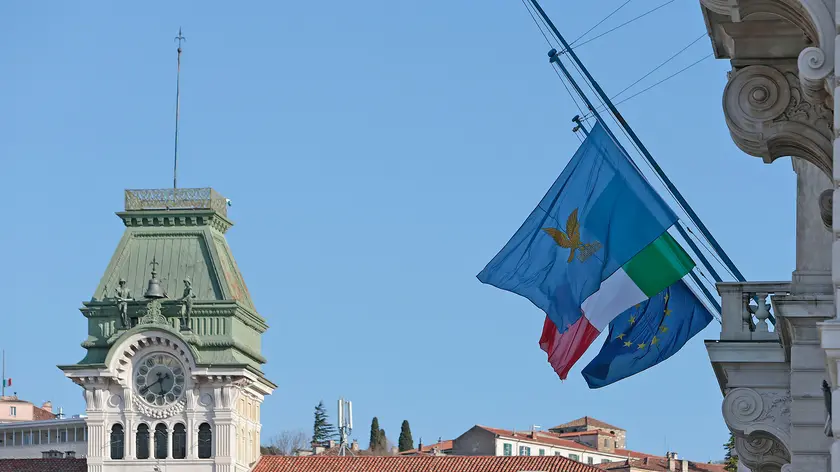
<point>769,116</point>
<point>761,424</point>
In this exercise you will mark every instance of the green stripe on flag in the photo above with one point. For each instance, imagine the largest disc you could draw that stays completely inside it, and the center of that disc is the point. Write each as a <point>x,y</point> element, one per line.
<point>659,265</point>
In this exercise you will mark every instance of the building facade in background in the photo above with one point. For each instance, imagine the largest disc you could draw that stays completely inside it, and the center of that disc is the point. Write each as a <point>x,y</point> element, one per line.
<point>780,341</point>
<point>14,409</point>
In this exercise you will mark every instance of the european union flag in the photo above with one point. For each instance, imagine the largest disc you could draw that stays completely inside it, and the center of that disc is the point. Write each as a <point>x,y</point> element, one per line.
<point>647,334</point>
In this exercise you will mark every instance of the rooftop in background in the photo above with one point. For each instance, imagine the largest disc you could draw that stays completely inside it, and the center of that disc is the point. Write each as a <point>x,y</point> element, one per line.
<point>43,465</point>
<point>15,410</point>
<point>661,464</point>
<point>587,422</point>
<point>424,463</point>
<point>176,199</point>
<point>438,448</point>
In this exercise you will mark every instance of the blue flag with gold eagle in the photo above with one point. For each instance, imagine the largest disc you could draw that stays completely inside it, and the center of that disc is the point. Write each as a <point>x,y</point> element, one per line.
<point>647,334</point>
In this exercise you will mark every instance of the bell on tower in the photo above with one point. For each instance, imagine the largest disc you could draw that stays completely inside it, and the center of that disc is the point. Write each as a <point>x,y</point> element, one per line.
<point>154,290</point>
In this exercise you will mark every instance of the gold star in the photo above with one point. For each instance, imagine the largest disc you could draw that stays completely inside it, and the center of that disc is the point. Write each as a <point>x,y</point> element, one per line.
<point>667,296</point>
<point>632,319</point>
<point>628,344</point>
<point>667,312</point>
<point>620,336</point>
<point>642,346</point>
<point>654,341</point>
<point>638,305</point>
<point>664,329</point>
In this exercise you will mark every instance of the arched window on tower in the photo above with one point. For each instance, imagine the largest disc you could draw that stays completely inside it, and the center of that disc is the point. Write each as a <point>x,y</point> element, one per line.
<point>205,441</point>
<point>117,442</point>
<point>179,441</point>
<point>142,441</point>
<point>161,440</point>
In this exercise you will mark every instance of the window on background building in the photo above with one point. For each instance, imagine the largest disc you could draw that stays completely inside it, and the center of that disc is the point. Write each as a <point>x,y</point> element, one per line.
<point>117,441</point>
<point>606,443</point>
<point>142,438</point>
<point>161,438</point>
<point>507,449</point>
<point>574,457</point>
<point>62,435</point>
<point>605,461</point>
<point>590,461</point>
<point>27,438</point>
<point>205,441</point>
<point>542,452</point>
<point>12,411</point>
<point>557,453</point>
<point>179,441</point>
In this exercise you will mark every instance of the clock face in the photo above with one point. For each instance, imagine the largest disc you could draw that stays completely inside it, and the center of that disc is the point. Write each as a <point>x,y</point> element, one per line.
<point>159,379</point>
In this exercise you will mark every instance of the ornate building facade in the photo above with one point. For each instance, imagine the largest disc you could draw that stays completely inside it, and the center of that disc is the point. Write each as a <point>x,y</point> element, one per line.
<point>172,376</point>
<point>779,347</point>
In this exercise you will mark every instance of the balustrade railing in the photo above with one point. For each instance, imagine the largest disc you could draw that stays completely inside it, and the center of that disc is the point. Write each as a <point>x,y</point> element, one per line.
<point>747,310</point>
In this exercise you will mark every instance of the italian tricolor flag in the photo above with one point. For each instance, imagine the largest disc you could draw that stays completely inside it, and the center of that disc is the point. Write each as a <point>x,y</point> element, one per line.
<point>652,270</point>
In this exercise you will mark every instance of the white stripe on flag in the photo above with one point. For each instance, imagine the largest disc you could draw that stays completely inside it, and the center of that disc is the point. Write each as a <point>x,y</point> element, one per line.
<point>615,295</point>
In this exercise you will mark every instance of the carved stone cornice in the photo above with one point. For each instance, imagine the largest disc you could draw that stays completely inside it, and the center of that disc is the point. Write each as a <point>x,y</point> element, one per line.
<point>754,415</point>
<point>769,117</point>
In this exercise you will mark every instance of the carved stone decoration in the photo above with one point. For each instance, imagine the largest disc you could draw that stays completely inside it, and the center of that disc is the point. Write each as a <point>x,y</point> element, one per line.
<point>159,413</point>
<point>153,314</point>
<point>769,117</point>
<point>761,454</point>
<point>826,203</point>
<point>815,66</point>
<point>753,415</point>
<point>723,7</point>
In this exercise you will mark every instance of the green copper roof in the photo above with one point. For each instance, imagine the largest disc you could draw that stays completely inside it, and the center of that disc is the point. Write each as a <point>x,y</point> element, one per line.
<point>181,232</point>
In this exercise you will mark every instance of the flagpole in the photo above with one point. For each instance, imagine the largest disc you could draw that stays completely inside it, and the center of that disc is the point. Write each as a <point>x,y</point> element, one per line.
<point>4,373</point>
<point>696,219</point>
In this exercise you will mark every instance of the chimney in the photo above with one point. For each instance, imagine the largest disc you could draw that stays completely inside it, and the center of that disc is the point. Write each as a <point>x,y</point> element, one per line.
<point>354,446</point>
<point>70,455</point>
<point>47,406</point>
<point>533,434</point>
<point>672,461</point>
<point>685,465</point>
<point>394,450</point>
<point>331,444</point>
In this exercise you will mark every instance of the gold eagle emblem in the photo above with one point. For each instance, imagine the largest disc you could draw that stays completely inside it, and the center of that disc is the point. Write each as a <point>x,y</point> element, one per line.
<point>569,238</point>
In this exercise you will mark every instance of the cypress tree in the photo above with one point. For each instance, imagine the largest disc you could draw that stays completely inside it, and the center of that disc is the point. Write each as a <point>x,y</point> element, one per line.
<point>374,434</point>
<point>405,443</point>
<point>322,430</point>
<point>383,441</point>
<point>730,462</point>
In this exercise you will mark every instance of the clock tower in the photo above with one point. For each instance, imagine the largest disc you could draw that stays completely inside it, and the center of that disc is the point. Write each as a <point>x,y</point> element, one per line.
<point>172,377</point>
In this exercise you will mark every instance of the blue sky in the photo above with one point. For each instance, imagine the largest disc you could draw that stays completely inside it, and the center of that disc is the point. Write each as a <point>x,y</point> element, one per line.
<point>378,154</point>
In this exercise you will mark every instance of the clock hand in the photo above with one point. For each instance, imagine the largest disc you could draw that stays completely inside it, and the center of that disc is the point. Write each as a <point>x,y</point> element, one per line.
<point>147,387</point>
<point>161,383</point>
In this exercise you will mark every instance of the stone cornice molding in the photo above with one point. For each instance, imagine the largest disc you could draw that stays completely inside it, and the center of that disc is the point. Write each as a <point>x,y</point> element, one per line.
<point>769,117</point>
<point>753,416</point>
<point>812,17</point>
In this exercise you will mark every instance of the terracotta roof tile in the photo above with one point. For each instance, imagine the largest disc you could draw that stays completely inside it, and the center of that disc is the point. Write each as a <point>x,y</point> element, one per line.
<point>587,421</point>
<point>43,465</point>
<point>421,464</point>
<point>659,464</point>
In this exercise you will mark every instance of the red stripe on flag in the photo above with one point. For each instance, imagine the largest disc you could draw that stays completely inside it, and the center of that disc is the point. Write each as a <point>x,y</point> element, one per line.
<point>565,349</point>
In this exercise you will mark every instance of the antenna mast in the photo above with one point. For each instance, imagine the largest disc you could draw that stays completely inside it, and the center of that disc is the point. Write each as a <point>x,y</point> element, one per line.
<point>345,425</point>
<point>178,38</point>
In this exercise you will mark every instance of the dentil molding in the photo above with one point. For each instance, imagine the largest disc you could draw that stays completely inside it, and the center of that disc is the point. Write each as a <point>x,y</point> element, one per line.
<point>769,117</point>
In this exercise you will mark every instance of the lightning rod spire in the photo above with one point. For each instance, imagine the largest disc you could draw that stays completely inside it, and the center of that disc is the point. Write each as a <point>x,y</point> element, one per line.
<point>178,38</point>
